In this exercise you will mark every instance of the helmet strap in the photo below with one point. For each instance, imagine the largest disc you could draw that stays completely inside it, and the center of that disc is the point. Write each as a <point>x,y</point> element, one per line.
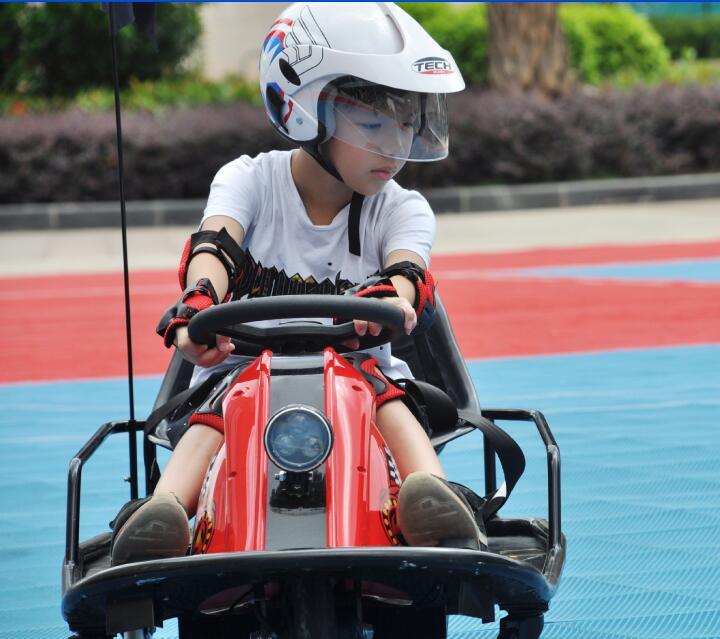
<point>355,203</point>
<point>313,148</point>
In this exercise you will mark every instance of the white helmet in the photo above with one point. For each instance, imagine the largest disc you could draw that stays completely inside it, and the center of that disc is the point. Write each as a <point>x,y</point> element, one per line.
<point>364,72</point>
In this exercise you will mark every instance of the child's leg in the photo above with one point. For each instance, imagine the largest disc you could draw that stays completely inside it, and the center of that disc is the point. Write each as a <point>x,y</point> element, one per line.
<point>183,476</point>
<point>407,440</point>
<point>431,512</point>
<point>158,526</point>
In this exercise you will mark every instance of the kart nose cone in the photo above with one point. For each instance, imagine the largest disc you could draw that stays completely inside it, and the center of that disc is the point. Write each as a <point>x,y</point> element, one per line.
<point>298,438</point>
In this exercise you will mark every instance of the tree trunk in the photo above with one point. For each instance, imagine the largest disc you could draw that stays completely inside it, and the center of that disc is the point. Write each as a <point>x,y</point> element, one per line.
<point>528,52</point>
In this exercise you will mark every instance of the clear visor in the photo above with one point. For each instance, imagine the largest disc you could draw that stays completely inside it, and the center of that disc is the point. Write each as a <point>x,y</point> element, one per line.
<point>403,125</point>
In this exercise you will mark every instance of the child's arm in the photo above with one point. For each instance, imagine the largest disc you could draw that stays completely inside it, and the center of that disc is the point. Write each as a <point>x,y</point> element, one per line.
<point>206,265</point>
<point>404,286</point>
<point>405,300</point>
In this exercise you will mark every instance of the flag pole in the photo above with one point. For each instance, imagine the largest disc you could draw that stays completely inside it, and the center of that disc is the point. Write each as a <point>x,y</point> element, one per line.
<point>132,427</point>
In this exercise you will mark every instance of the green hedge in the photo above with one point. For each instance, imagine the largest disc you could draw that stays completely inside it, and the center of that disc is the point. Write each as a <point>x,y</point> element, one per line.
<point>64,47</point>
<point>494,138</point>
<point>10,37</point>
<point>603,39</point>
<point>607,39</point>
<point>462,30</point>
<point>684,34</point>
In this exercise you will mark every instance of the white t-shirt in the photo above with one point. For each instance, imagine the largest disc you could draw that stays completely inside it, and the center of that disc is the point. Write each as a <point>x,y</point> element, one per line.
<point>287,253</point>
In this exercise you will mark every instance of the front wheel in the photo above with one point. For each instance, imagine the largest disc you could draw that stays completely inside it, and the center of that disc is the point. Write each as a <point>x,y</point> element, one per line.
<point>311,610</point>
<point>515,627</point>
<point>418,623</point>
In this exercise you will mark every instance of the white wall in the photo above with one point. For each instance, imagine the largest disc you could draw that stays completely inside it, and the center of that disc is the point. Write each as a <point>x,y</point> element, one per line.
<point>233,33</point>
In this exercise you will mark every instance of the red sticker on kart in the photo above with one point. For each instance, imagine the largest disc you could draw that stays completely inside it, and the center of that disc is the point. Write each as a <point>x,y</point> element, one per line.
<point>204,529</point>
<point>432,66</point>
<point>388,507</point>
<point>388,516</point>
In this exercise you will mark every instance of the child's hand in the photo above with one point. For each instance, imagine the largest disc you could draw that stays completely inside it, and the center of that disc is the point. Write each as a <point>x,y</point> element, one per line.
<point>202,354</point>
<point>362,327</point>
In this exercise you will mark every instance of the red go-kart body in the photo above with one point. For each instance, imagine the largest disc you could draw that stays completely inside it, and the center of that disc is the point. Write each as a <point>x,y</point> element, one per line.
<point>360,478</point>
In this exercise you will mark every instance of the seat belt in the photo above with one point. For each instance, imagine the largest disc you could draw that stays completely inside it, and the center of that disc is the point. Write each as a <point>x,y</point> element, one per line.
<point>511,458</point>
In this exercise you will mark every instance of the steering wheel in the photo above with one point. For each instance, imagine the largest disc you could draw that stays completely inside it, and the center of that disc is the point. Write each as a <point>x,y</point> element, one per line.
<point>230,319</point>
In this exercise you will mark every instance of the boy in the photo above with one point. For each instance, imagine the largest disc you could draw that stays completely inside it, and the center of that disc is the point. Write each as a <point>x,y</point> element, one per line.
<point>360,87</point>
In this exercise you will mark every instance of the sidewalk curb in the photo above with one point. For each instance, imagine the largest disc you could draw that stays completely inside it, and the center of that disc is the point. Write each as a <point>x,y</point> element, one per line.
<point>461,199</point>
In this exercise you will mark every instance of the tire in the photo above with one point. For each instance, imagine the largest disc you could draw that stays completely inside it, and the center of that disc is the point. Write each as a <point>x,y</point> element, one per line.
<point>521,627</point>
<point>220,628</point>
<point>312,610</point>
<point>422,623</point>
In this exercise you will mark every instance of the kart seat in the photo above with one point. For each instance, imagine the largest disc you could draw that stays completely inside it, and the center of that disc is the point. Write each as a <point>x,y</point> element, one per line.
<point>441,373</point>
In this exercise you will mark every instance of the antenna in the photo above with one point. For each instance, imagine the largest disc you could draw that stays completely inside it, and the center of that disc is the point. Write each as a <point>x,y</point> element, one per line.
<point>132,429</point>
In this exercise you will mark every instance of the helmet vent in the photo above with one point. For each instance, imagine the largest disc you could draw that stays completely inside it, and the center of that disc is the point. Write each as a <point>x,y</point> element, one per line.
<point>289,73</point>
<point>275,104</point>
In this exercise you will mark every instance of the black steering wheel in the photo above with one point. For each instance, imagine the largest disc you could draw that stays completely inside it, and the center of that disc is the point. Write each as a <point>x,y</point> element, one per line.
<point>298,337</point>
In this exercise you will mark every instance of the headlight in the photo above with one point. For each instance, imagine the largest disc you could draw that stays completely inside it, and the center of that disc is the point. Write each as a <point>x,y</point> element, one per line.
<point>298,438</point>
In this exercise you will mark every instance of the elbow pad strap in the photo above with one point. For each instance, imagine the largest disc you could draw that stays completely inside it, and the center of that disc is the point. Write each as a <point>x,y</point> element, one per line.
<point>424,284</point>
<point>374,286</point>
<point>193,300</point>
<point>222,246</point>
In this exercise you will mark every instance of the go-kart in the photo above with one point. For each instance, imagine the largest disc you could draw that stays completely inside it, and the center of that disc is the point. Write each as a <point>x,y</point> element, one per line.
<point>292,538</point>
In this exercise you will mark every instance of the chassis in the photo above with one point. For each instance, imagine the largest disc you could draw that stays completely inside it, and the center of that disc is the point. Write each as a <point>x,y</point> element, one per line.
<point>519,573</point>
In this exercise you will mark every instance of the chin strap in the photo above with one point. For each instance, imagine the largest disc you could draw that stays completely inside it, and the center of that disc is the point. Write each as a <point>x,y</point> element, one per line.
<point>356,202</point>
<point>354,223</point>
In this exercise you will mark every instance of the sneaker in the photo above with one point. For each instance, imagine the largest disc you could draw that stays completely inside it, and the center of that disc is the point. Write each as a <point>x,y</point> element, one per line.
<point>435,512</point>
<point>152,528</point>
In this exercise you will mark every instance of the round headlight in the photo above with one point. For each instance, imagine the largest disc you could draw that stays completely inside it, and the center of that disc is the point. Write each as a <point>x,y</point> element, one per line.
<point>298,438</point>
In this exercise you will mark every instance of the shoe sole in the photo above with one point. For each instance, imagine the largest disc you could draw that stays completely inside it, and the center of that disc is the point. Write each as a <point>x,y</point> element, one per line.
<point>430,513</point>
<point>158,530</point>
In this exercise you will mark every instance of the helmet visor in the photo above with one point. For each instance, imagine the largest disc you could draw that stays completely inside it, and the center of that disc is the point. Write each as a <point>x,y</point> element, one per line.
<point>404,125</point>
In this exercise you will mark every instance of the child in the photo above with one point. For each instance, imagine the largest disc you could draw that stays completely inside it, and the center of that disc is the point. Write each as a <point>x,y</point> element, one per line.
<point>360,88</point>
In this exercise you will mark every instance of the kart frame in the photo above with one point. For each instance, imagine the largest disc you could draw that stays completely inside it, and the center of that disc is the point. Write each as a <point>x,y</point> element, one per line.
<point>480,580</point>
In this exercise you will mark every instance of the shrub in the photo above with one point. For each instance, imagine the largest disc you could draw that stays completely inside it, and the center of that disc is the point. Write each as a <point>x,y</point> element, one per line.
<point>461,30</point>
<point>65,47</point>
<point>617,38</point>
<point>603,39</point>
<point>683,33</point>
<point>9,42</point>
<point>159,95</point>
<point>515,139</point>
<point>72,155</point>
<point>494,138</point>
<point>149,95</point>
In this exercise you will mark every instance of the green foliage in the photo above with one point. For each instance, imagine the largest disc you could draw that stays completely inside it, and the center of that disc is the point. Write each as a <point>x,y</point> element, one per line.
<point>582,45</point>
<point>462,30</point>
<point>65,47</point>
<point>155,96</point>
<point>150,95</point>
<point>683,34</point>
<point>603,39</point>
<point>609,39</point>
<point>10,36</point>
<point>681,73</point>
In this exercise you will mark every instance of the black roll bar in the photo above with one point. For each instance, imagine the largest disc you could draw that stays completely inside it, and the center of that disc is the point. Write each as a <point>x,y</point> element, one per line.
<point>553,464</point>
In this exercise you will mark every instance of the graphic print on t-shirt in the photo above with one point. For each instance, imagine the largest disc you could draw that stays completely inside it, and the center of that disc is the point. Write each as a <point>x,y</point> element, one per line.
<point>262,281</point>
